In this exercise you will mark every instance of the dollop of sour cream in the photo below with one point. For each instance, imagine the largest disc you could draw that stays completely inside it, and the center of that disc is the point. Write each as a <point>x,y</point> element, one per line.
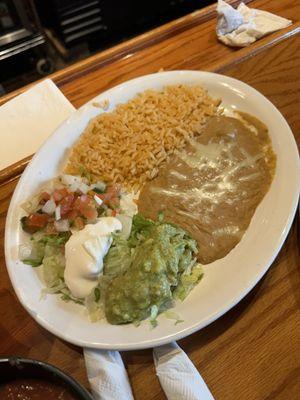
<point>85,251</point>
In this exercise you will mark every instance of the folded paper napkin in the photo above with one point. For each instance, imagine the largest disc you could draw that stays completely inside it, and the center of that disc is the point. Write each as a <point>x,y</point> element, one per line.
<point>28,119</point>
<point>243,26</point>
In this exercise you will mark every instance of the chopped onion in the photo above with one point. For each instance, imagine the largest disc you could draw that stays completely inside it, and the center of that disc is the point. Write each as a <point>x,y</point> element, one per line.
<point>25,251</point>
<point>73,187</point>
<point>70,179</point>
<point>57,213</point>
<point>75,183</point>
<point>84,188</point>
<point>37,236</point>
<point>126,222</point>
<point>98,200</point>
<point>28,252</point>
<point>49,207</point>
<point>62,225</point>
<point>128,204</point>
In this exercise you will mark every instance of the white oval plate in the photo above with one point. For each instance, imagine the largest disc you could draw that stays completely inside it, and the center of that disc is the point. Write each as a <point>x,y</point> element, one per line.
<point>225,281</point>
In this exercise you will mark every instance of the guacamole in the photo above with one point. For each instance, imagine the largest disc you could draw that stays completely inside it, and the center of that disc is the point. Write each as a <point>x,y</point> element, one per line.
<point>160,261</point>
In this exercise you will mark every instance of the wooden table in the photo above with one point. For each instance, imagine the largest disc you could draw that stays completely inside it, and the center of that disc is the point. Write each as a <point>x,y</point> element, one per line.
<point>252,352</point>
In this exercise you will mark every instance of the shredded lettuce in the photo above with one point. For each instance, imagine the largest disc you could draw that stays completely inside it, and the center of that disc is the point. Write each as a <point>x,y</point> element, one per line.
<point>66,295</point>
<point>154,266</point>
<point>32,254</point>
<point>97,294</point>
<point>55,239</point>
<point>187,281</point>
<point>94,305</point>
<point>54,266</point>
<point>48,251</point>
<point>141,228</point>
<point>174,316</point>
<point>119,257</point>
<point>53,273</point>
<point>33,262</point>
<point>153,314</point>
<point>150,243</point>
<point>99,189</point>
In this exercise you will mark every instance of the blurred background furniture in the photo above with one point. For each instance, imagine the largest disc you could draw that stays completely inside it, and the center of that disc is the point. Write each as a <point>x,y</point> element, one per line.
<point>19,28</point>
<point>23,45</point>
<point>38,37</point>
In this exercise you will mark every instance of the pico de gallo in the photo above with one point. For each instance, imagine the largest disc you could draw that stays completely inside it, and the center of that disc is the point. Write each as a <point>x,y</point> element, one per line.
<point>69,205</point>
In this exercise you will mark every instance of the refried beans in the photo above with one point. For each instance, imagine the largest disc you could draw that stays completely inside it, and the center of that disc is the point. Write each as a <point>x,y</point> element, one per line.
<point>213,187</point>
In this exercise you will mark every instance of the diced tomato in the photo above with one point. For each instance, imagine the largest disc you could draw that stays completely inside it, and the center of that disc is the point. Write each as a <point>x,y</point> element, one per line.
<point>111,195</point>
<point>113,213</point>
<point>114,190</point>
<point>38,220</point>
<point>59,194</point>
<point>45,196</point>
<point>114,202</point>
<point>85,205</point>
<point>89,212</point>
<point>77,204</point>
<point>66,205</point>
<point>34,222</point>
<point>79,223</point>
<point>72,214</point>
<point>83,199</point>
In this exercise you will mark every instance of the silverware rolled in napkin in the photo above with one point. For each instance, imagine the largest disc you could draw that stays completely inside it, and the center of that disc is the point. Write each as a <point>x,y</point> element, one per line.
<point>177,374</point>
<point>107,375</point>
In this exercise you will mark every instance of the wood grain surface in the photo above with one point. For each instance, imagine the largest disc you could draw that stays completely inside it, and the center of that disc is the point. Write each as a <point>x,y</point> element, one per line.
<point>253,351</point>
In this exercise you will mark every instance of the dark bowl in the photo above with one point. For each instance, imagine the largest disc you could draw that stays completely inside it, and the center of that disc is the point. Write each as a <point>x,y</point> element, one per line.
<point>14,367</point>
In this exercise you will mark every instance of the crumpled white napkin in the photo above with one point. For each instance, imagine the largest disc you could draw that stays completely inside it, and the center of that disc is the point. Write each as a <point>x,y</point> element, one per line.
<point>177,374</point>
<point>243,26</point>
<point>107,375</point>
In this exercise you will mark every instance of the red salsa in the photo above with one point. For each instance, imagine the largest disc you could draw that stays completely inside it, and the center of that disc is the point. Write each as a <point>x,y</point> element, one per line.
<point>34,389</point>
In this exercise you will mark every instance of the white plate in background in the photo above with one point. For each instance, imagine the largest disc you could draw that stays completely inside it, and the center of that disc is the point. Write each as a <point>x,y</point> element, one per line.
<point>225,281</point>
